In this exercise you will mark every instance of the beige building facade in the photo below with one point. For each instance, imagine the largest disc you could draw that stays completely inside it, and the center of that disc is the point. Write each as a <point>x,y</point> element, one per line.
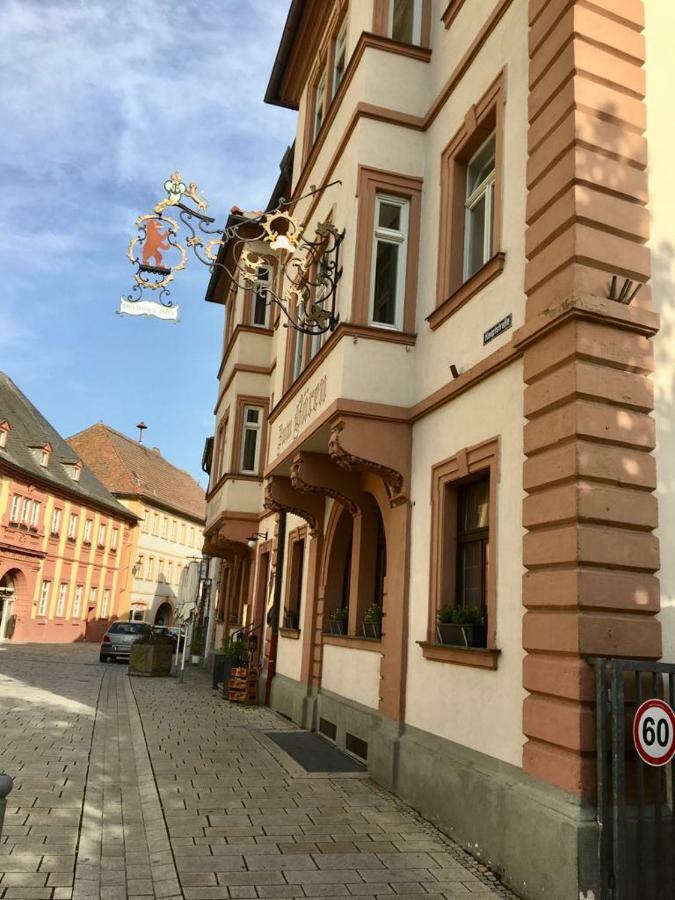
<point>486,436</point>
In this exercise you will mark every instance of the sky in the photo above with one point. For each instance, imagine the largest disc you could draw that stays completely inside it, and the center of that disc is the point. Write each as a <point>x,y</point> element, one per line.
<point>100,101</point>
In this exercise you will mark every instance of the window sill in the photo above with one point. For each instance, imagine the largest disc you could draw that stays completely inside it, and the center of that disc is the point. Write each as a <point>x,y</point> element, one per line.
<point>354,642</point>
<point>292,633</point>
<point>478,657</point>
<point>492,268</point>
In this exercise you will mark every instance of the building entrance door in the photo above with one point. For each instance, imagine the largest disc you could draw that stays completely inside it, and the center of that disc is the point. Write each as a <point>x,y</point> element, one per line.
<point>7,596</point>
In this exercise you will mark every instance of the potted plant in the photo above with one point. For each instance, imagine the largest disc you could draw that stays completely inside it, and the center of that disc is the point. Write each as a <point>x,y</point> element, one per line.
<point>151,655</point>
<point>291,618</point>
<point>197,643</point>
<point>337,620</point>
<point>461,626</point>
<point>372,622</point>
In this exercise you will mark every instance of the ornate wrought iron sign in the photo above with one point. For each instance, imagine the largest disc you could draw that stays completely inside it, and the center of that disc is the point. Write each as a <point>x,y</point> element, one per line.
<point>265,252</point>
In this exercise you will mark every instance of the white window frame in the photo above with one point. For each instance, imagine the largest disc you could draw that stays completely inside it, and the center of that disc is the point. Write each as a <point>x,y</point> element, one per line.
<point>389,236</point>
<point>138,615</point>
<point>93,596</point>
<point>15,511</point>
<point>257,428</point>
<point>174,530</point>
<point>417,22</point>
<point>261,287</point>
<point>105,603</point>
<point>145,527</point>
<point>101,534</point>
<point>35,514</point>
<point>73,522</point>
<point>155,524</point>
<point>55,527</point>
<point>86,536</point>
<point>486,189</point>
<point>339,50</point>
<point>3,438</point>
<point>44,457</point>
<point>43,602</point>
<point>319,105</point>
<point>26,511</point>
<point>77,601</point>
<point>299,354</point>
<point>61,599</point>
<point>114,537</point>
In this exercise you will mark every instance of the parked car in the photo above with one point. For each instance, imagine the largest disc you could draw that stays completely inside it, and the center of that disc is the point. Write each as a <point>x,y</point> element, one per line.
<point>172,632</point>
<point>117,640</point>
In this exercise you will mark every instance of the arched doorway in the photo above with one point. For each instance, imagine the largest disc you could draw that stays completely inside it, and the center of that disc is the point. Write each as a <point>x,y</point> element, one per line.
<point>338,571</point>
<point>164,615</point>
<point>8,590</point>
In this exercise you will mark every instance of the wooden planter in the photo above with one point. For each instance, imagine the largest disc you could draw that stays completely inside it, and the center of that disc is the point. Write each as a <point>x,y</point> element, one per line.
<point>243,685</point>
<point>150,659</point>
<point>462,635</point>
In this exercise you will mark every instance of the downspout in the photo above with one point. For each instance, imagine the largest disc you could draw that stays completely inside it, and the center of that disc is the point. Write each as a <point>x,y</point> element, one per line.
<point>273,618</point>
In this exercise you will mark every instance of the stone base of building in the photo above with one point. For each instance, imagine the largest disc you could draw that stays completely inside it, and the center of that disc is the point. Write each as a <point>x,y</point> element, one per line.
<point>540,840</point>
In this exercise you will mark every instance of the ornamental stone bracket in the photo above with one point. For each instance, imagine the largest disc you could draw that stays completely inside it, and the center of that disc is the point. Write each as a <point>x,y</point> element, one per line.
<point>281,496</point>
<point>316,473</point>
<point>375,447</point>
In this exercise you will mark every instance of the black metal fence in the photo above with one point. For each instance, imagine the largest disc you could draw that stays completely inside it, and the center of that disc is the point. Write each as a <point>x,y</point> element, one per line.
<point>636,824</point>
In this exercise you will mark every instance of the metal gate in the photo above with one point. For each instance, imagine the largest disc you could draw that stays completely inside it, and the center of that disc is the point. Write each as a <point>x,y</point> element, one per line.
<point>636,825</point>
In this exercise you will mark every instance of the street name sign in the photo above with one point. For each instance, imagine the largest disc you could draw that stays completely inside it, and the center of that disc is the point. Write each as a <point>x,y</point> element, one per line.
<point>654,732</point>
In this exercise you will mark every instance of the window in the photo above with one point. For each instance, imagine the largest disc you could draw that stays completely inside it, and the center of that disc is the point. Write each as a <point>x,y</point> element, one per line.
<point>390,245</point>
<point>88,526</point>
<point>44,598</point>
<point>480,189</point>
<point>169,572</point>
<point>469,247</point>
<point>56,521</point>
<point>182,533</point>
<point>35,514</point>
<point>25,511</point>
<point>72,526</point>
<point>114,537</point>
<point>299,353</point>
<point>160,569</point>
<point>464,490</point>
<point>250,442</point>
<point>263,283</point>
<point>105,606</point>
<point>93,593</point>
<point>15,509</point>
<point>165,528</point>
<point>295,578</point>
<point>155,524</point>
<point>473,504</point>
<point>101,535</point>
<point>138,615</point>
<point>44,456</point>
<point>77,601</point>
<point>146,521</point>
<point>405,21</point>
<point>174,530</point>
<point>339,58</point>
<point>4,432</point>
<point>319,106</point>
<point>192,537</point>
<point>61,599</point>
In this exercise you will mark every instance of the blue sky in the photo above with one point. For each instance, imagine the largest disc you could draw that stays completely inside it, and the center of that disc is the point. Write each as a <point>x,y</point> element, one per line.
<point>100,100</point>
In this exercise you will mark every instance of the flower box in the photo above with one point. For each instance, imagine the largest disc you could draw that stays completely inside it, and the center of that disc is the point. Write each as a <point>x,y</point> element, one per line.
<point>462,635</point>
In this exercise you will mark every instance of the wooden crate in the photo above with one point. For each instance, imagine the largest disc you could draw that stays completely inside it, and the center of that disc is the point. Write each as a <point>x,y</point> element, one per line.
<point>243,685</point>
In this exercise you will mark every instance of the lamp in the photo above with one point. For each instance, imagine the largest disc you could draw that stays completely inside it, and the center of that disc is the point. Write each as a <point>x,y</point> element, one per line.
<point>253,539</point>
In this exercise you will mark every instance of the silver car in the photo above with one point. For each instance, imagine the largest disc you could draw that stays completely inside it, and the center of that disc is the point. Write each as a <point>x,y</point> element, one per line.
<point>117,640</point>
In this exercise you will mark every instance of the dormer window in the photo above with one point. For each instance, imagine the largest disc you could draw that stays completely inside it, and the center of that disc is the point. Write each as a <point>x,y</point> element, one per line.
<point>73,468</point>
<point>42,453</point>
<point>4,433</point>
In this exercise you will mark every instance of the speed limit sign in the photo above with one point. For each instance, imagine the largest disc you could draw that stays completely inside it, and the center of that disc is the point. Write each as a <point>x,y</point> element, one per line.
<point>654,732</point>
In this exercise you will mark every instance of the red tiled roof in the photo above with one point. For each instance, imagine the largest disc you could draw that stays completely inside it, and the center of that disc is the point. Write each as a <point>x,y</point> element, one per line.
<point>128,468</point>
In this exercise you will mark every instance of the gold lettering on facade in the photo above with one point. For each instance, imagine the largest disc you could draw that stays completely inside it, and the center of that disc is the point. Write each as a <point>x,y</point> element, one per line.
<point>309,401</point>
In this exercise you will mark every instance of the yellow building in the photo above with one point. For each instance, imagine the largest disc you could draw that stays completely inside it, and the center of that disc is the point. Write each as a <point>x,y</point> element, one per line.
<point>170,507</point>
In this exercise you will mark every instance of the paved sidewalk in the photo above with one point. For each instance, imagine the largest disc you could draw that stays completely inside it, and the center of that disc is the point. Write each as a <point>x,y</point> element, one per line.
<point>146,788</point>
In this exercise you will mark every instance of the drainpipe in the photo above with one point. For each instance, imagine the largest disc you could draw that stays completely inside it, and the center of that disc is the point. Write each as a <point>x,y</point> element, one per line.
<point>6,785</point>
<point>273,619</point>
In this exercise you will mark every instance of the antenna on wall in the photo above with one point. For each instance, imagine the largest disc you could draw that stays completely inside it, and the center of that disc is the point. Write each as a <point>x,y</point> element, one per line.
<point>141,428</point>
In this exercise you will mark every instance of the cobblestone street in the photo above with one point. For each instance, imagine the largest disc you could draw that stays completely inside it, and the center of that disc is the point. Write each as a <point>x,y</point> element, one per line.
<point>139,788</point>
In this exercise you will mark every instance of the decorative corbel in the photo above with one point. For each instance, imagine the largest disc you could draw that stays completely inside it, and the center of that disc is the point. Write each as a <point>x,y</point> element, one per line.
<point>314,473</point>
<point>280,495</point>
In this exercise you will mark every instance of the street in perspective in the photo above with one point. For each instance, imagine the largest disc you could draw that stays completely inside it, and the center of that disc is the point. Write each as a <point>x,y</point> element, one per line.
<point>337,450</point>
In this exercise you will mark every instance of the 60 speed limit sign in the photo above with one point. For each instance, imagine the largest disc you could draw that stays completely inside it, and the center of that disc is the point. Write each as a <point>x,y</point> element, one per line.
<point>654,732</point>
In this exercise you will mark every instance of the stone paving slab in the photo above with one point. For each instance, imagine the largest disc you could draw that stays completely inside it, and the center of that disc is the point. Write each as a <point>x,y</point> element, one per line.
<point>130,789</point>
